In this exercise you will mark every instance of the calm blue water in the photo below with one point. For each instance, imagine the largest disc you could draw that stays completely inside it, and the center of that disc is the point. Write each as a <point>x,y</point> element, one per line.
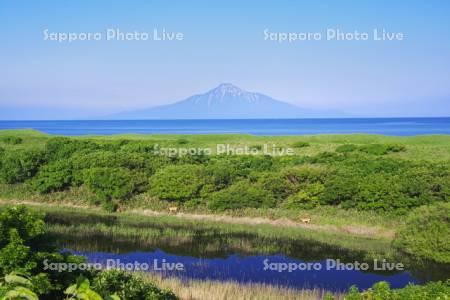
<point>386,126</point>
<point>250,269</point>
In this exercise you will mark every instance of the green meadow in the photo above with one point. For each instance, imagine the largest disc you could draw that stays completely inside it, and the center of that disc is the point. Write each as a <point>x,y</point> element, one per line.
<point>348,196</point>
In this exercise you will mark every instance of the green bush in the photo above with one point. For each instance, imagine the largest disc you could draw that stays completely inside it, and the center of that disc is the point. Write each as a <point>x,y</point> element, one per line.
<point>26,252</point>
<point>177,183</point>
<point>182,141</point>
<point>14,286</point>
<point>112,183</point>
<point>62,147</point>
<point>81,290</point>
<point>341,187</point>
<point>139,147</point>
<point>29,226</point>
<point>24,246</point>
<point>382,291</point>
<point>221,173</point>
<point>18,166</point>
<point>380,149</point>
<point>276,184</point>
<point>128,287</point>
<point>300,144</point>
<point>240,195</point>
<point>11,140</point>
<point>346,148</point>
<point>373,149</point>
<point>53,177</point>
<point>385,185</point>
<point>380,192</point>
<point>142,163</point>
<point>305,174</point>
<point>426,234</point>
<point>100,158</point>
<point>307,197</point>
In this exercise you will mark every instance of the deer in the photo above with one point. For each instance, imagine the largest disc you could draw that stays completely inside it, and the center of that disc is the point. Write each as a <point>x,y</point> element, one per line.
<point>173,209</point>
<point>306,220</point>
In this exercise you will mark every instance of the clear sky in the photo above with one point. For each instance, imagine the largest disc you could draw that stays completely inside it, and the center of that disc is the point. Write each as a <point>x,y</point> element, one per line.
<point>223,42</point>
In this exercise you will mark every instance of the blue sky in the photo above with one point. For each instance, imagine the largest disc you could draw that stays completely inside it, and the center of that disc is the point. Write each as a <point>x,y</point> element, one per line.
<point>223,42</point>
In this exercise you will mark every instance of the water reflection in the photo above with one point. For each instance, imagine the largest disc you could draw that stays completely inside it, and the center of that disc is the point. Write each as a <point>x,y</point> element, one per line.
<point>214,259</point>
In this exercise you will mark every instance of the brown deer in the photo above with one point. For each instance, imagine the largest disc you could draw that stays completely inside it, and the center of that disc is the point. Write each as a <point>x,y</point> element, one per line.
<point>306,220</point>
<point>173,209</point>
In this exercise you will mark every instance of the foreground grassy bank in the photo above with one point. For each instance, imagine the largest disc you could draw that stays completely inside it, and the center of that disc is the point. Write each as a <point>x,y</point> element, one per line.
<point>208,238</point>
<point>208,290</point>
<point>25,243</point>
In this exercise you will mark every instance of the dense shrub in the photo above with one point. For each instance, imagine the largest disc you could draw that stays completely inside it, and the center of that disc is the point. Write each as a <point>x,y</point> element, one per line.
<point>305,174</point>
<point>240,195</point>
<point>221,173</point>
<point>242,166</point>
<point>346,148</point>
<point>307,197</point>
<point>353,176</point>
<point>128,287</point>
<point>122,159</point>
<point>27,225</point>
<point>326,158</point>
<point>107,159</point>
<point>374,149</point>
<point>139,147</point>
<point>382,291</point>
<point>380,149</point>
<point>276,184</point>
<point>112,183</point>
<point>177,183</point>
<point>182,141</point>
<point>62,147</point>
<point>24,246</point>
<point>26,252</point>
<point>53,177</point>
<point>300,144</point>
<point>427,233</point>
<point>341,187</point>
<point>17,166</point>
<point>11,140</point>
<point>385,184</point>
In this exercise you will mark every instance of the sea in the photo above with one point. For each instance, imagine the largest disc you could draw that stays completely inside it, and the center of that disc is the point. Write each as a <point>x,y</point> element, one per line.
<point>385,126</point>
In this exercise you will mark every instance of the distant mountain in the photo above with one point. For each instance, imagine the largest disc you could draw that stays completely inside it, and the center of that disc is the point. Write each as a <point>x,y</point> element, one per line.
<point>225,102</point>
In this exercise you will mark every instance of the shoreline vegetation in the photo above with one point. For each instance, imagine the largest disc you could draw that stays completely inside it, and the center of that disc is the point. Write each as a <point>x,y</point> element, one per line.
<point>361,195</point>
<point>29,238</point>
<point>70,220</point>
<point>203,289</point>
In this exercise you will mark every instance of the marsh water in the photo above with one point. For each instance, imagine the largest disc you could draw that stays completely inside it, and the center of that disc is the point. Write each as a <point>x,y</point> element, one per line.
<point>311,263</point>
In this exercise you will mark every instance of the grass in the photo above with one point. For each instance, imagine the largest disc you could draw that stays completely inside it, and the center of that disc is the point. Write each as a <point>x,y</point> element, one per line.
<point>329,224</point>
<point>425,147</point>
<point>325,218</point>
<point>206,236</point>
<point>430,147</point>
<point>203,289</point>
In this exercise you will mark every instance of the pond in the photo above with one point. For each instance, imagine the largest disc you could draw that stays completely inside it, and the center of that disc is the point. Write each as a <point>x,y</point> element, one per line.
<point>303,264</point>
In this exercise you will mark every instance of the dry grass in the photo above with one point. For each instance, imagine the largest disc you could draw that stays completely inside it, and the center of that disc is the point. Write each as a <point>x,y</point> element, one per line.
<point>283,222</point>
<point>350,229</point>
<point>217,290</point>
